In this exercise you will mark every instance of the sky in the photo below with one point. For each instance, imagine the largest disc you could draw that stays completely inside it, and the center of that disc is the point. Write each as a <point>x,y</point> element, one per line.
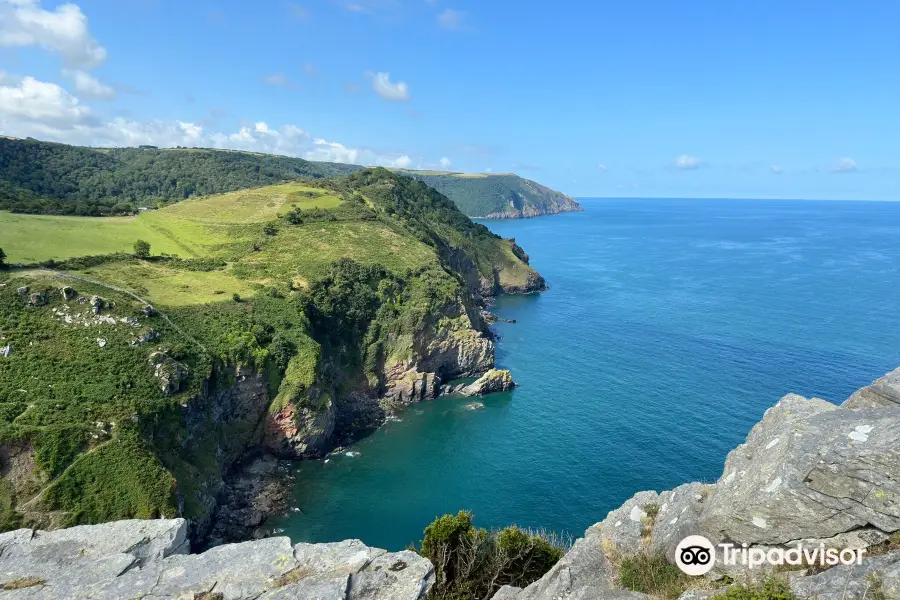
<point>762,99</point>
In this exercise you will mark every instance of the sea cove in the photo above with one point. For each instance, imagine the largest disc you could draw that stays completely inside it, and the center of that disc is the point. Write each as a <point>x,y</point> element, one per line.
<point>669,328</point>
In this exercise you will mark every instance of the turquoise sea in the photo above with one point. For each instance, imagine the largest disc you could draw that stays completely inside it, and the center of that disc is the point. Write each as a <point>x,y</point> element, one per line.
<point>669,328</point>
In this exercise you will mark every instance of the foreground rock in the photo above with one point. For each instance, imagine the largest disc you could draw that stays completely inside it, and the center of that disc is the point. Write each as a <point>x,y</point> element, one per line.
<point>809,473</point>
<point>137,559</point>
<point>495,380</point>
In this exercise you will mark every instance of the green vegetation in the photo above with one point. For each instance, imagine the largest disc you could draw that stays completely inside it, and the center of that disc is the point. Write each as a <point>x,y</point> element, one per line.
<point>475,563</point>
<point>496,195</point>
<point>653,574</point>
<point>43,177</point>
<point>772,588</point>
<point>142,249</point>
<point>50,178</point>
<point>319,287</point>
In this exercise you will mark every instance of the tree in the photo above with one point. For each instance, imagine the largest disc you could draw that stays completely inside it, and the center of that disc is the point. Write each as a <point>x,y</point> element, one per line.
<point>2,259</point>
<point>142,249</point>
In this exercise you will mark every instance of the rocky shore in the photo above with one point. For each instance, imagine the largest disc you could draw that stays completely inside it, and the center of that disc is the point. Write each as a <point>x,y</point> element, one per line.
<point>809,473</point>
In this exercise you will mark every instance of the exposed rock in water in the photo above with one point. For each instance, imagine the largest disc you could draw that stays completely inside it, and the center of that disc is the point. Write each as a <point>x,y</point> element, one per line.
<point>137,559</point>
<point>412,386</point>
<point>883,392</point>
<point>169,371</point>
<point>495,380</point>
<point>809,473</point>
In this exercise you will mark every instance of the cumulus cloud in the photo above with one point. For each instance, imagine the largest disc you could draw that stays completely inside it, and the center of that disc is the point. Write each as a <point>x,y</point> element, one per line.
<point>89,86</point>
<point>32,101</point>
<point>453,20</point>
<point>384,87</point>
<point>776,169</point>
<point>602,168</point>
<point>844,165</point>
<point>446,163</point>
<point>63,30</point>
<point>686,162</point>
<point>402,162</point>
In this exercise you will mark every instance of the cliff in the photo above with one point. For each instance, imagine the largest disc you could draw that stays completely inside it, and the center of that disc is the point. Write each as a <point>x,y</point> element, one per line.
<point>497,196</point>
<point>283,320</point>
<point>809,473</point>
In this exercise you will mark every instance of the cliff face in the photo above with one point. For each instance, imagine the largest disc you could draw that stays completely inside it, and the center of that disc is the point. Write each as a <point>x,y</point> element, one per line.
<point>809,473</point>
<point>149,559</point>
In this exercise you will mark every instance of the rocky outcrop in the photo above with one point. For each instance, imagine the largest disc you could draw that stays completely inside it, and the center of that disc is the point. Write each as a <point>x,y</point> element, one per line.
<point>883,392</point>
<point>809,473</point>
<point>138,559</point>
<point>411,386</point>
<point>495,380</point>
<point>302,431</point>
<point>169,371</point>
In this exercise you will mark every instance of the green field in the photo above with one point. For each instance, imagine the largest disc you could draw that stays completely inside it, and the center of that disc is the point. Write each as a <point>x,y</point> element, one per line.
<point>35,238</point>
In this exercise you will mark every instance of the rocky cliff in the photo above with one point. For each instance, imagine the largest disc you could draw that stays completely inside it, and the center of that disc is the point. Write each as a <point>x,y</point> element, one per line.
<point>149,559</point>
<point>809,473</point>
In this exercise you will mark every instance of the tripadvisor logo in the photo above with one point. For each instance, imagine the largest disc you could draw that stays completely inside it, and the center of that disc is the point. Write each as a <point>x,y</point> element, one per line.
<point>696,555</point>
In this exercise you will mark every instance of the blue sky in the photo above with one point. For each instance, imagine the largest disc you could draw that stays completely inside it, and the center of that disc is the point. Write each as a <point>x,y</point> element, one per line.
<point>788,99</point>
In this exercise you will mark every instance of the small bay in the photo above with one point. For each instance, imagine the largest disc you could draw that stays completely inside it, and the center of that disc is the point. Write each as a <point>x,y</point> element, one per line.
<point>669,328</point>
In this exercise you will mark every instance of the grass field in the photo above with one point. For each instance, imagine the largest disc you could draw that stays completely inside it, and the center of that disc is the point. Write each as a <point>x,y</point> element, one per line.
<point>35,238</point>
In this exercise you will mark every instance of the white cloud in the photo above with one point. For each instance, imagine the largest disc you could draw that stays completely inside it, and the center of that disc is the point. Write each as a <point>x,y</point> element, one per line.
<point>35,102</point>
<point>384,87</point>
<point>844,165</point>
<point>776,169</point>
<point>63,30</point>
<point>454,20</point>
<point>687,162</point>
<point>489,170</point>
<point>332,152</point>
<point>402,162</point>
<point>446,163</point>
<point>602,168</point>
<point>89,86</point>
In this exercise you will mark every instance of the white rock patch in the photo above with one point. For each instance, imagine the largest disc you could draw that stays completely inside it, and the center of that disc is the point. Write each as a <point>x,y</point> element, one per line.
<point>861,433</point>
<point>773,486</point>
<point>760,522</point>
<point>636,514</point>
<point>772,444</point>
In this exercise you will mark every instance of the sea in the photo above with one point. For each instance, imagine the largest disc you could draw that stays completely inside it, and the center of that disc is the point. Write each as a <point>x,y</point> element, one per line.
<point>670,326</point>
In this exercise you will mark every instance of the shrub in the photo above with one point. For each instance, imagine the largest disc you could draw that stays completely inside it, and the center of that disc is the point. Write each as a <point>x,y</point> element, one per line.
<point>652,574</point>
<point>475,563</point>
<point>142,249</point>
<point>771,589</point>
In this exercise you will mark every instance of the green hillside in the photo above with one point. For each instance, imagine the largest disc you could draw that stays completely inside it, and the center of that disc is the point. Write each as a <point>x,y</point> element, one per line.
<point>48,178</point>
<point>279,315</point>
<point>501,195</point>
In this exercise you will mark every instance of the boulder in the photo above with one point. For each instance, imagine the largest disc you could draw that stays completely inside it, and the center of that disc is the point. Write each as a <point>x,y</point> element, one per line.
<point>148,311</point>
<point>22,291</point>
<point>148,336</point>
<point>882,392</point>
<point>412,386</point>
<point>68,293</point>
<point>877,578</point>
<point>37,299</point>
<point>138,559</point>
<point>495,380</point>
<point>97,304</point>
<point>6,351</point>
<point>169,371</point>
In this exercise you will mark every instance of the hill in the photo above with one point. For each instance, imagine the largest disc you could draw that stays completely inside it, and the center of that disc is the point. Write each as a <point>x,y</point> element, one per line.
<point>48,178</point>
<point>284,319</point>
<point>497,196</point>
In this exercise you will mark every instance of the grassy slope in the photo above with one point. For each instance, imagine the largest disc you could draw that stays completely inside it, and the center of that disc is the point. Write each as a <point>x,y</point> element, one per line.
<point>60,391</point>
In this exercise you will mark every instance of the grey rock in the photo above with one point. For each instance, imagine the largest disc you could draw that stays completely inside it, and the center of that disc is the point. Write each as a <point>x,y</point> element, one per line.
<point>412,386</point>
<point>68,293</point>
<point>151,335</point>
<point>584,573</point>
<point>808,470</point>
<point>876,578</point>
<point>624,530</point>
<point>145,559</point>
<point>6,351</point>
<point>507,592</point>
<point>883,392</point>
<point>148,311</point>
<point>679,510</point>
<point>37,299</point>
<point>22,291</point>
<point>169,371</point>
<point>97,304</point>
<point>495,380</point>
